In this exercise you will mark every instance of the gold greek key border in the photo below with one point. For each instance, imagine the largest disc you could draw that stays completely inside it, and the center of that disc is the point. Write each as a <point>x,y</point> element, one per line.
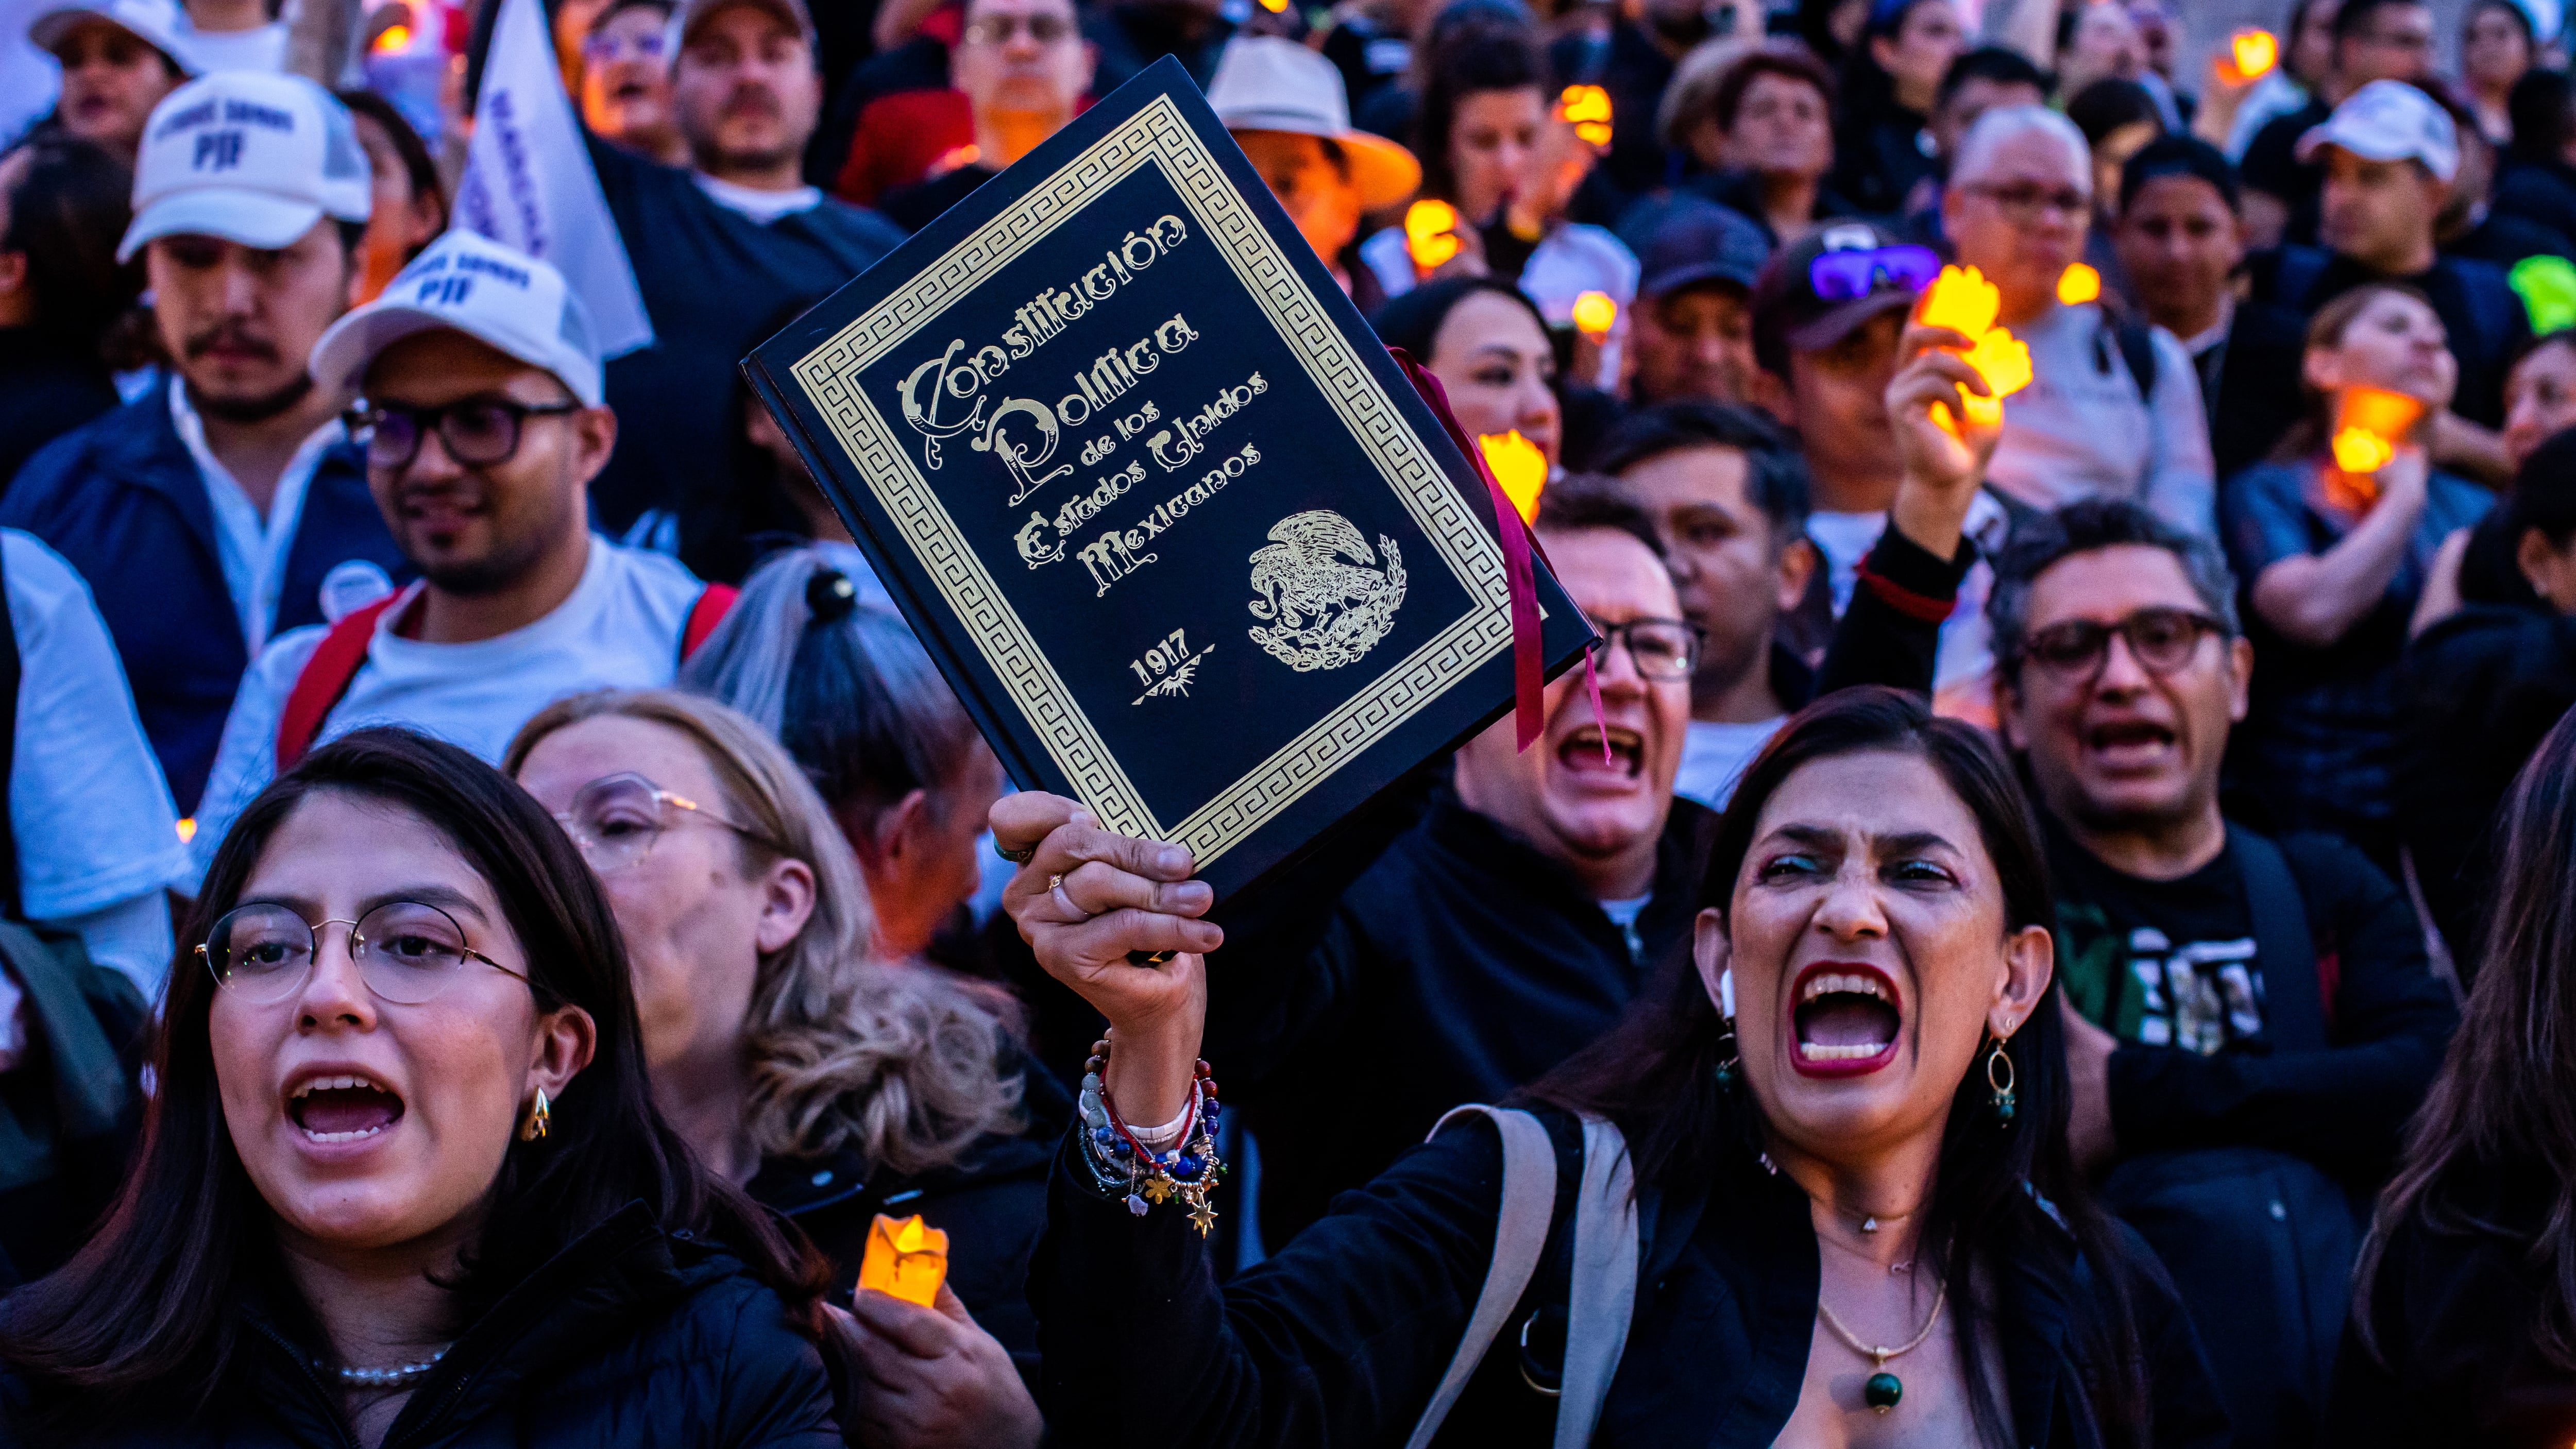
<point>1160,136</point>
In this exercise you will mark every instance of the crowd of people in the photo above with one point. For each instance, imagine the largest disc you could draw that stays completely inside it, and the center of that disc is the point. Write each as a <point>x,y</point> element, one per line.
<point>2040,925</point>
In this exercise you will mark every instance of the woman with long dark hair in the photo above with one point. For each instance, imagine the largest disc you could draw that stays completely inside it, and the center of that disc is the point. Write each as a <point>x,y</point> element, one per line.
<point>1843,1138</point>
<point>1891,80</point>
<point>402,1180</point>
<point>2463,1327</point>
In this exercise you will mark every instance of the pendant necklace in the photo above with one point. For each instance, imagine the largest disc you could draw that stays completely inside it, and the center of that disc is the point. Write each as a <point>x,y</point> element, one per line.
<point>1883,1389</point>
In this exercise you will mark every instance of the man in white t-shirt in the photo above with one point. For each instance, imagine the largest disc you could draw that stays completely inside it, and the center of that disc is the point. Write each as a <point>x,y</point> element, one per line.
<point>482,418</point>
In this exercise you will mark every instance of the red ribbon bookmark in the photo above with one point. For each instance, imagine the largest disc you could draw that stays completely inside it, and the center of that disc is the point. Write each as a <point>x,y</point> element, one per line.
<point>1519,578</point>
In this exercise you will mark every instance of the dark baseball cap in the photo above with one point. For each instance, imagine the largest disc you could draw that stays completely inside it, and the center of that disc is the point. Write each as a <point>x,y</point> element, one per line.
<point>1790,313</point>
<point>1699,241</point>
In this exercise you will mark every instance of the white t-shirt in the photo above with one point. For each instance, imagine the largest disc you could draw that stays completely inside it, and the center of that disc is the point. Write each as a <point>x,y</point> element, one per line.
<point>619,629</point>
<point>261,48</point>
<point>98,837</point>
<point>1714,756</point>
<point>761,206</point>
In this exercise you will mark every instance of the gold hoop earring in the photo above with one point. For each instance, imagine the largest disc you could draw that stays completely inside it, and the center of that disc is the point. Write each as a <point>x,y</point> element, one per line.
<point>1999,1082</point>
<point>538,1116</point>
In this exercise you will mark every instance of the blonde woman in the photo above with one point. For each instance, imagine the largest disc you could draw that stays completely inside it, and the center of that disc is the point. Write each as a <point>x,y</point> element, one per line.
<point>830,1086</point>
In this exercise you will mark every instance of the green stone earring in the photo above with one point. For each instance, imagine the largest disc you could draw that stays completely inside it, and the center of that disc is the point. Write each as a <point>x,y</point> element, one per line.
<point>1999,1083</point>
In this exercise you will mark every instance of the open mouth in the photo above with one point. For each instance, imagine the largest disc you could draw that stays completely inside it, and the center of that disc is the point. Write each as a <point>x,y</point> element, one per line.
<point>1580,752</point>
<point>343,1108</point>
<point>2129,741</point>
<point>1846,1019</point>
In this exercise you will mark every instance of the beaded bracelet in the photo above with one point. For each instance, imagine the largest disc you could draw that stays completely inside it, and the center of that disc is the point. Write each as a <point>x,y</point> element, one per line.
<point>1121,1164</point>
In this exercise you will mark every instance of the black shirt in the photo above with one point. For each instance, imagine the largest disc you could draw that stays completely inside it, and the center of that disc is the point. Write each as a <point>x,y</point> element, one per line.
<point>2272,166</point>
<point>2174,970</point>
<point>712,279</point>
<point>2479,309</point>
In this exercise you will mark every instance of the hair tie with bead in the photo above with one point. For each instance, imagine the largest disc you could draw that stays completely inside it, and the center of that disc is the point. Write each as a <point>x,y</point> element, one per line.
<point>830,596</point>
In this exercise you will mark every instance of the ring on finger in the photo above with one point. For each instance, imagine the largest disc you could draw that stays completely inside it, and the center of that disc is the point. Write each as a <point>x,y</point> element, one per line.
<point>1055,888</point>
<point>1016,857</point>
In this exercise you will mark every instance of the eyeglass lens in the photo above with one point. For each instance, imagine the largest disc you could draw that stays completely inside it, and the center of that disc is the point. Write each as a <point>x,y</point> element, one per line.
<point>2162,640</point>
<point>614,821</point>
<point>406,952</point>
<point>2028,199</point>
<point>1661,648</point>
<point>998,29</point>
<point>474,433</point>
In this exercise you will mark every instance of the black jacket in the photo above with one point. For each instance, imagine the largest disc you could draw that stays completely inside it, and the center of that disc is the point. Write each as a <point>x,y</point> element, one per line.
<point>2453,1315</point>
<point>992,1205</point>
<point>1341,1337</point>
<point>2482,687</point>
<point>1461,962</point>
<point>629,1336</point>
<point>2543,192</point>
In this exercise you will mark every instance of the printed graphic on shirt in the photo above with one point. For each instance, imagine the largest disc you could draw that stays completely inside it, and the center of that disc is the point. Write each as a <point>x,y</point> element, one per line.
<point>2202,996</point>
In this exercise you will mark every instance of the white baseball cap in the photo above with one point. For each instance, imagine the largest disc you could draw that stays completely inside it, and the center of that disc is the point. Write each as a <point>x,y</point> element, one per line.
<point>472,284</point>
<point>2389,120</point>
<point>250,157</point>
<point>156,23</point>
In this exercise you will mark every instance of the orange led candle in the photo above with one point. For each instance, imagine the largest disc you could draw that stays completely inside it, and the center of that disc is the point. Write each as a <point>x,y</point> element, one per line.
<point>2251,54</point>
<point>1962,300</point>
<point>1588,107</point>
<point>906,1259</point>
<point>1427,228</point>
<point>1519,466</point>
<point>1594,313</point>
<point>2369,424</point>
<point>2079,284</point>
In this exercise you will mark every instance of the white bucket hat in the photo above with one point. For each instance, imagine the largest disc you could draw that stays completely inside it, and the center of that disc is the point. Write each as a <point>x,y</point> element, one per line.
<point>1264,83</point>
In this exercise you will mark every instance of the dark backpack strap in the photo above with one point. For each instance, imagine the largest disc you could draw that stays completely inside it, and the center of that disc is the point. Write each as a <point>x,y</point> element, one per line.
<point>704,615</point>
<point>325,677</point>
<point>10,900</point>
<point>2294,988</point>
<point>2138,349</point>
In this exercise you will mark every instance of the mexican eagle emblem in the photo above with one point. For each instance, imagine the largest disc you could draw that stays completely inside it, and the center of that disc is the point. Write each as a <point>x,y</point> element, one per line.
<point>1323,598</point>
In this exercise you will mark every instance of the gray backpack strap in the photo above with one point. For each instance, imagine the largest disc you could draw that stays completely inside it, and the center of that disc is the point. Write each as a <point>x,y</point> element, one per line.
<point>1520,1236</point>
<point>1603,1295</point>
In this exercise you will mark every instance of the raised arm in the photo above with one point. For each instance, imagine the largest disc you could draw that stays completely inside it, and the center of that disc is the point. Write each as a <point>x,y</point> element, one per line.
<point>2312,598</point>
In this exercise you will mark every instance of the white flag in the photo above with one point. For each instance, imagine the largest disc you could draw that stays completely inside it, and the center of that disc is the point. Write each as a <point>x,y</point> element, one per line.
<point>528,182</point>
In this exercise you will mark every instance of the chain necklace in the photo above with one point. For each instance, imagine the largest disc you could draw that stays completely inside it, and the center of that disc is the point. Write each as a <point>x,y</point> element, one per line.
<point>387,1378</point>
<point>1883,1389</point>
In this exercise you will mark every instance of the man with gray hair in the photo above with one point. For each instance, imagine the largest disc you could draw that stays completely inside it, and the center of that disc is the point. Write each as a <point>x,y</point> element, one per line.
<point>2250,1022</point>
<point>2113,410</point>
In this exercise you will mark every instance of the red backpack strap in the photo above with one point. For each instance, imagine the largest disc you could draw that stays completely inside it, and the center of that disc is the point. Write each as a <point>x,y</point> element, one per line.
<point>325,677</point>
<point>705,615</point>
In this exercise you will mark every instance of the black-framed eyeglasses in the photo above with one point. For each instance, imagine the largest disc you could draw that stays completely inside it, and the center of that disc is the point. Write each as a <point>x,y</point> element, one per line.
<point>998,29</point>
<point>477,431</point>
<point>615,819</point>
<point>2161,640</point>
<point>2021,202</point>
<point>1662,649</point>
<point>407,952</point>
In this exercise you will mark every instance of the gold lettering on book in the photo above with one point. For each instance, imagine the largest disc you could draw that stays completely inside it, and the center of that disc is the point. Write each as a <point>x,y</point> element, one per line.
<point>1120,552</point>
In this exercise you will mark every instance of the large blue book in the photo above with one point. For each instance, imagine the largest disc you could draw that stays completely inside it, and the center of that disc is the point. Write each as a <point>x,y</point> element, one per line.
<point>1172,521</point>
